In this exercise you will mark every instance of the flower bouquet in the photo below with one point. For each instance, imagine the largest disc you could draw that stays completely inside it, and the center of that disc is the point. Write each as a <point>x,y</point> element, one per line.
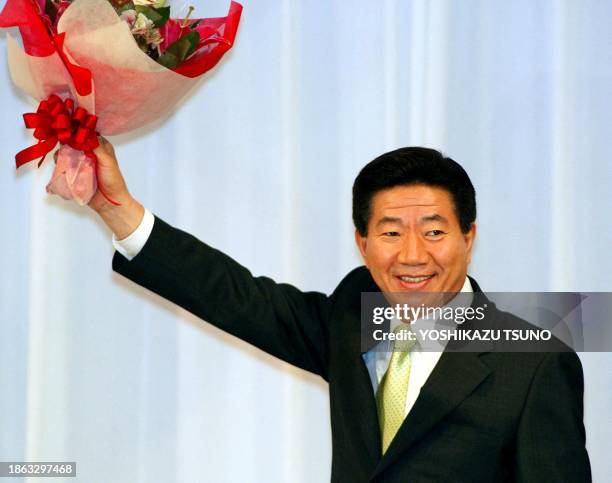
<point>95,65</point>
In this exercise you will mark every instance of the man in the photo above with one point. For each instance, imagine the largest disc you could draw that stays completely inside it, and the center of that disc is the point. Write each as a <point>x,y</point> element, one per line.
<point>396,416</point>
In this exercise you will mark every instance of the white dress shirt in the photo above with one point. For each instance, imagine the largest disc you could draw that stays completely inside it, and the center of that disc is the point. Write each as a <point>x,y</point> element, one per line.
<point>376,359</point>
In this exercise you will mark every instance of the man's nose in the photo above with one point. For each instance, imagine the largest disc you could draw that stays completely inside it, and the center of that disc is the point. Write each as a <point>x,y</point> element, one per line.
<point>413,251</point>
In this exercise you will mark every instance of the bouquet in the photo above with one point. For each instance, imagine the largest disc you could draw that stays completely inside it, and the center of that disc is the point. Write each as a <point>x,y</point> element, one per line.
<point>103,67</point>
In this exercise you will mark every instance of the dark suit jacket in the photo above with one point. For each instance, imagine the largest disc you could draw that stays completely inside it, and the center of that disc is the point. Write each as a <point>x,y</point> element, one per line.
<point>480,417</point>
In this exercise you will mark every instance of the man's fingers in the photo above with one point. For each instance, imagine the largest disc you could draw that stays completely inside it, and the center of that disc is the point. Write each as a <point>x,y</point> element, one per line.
<point>106,151</point>
<point>107,145</point>
<point>55,154</point>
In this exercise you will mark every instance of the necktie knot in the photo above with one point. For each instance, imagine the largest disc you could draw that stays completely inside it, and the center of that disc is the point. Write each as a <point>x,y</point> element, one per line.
<point>405,338</point>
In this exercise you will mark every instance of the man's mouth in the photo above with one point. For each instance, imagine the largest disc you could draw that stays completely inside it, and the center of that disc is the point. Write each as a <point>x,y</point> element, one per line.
<point>414,281</point>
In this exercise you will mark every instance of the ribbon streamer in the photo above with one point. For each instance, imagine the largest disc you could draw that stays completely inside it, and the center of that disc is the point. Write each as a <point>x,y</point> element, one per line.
<point>81,77</point>
<point>40,39</point>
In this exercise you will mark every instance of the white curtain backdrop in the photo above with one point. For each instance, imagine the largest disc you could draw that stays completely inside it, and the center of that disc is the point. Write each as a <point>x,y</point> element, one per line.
<point>259,163</point>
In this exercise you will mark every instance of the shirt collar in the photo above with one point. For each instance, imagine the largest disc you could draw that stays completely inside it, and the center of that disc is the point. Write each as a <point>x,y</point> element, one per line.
<point>456,301</point>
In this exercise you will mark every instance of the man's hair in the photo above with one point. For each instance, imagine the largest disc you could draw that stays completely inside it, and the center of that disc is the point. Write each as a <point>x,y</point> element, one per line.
<point>411,166</point>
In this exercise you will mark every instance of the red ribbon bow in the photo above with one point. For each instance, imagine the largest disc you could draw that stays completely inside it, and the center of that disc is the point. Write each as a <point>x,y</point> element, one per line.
<point>58,121</point>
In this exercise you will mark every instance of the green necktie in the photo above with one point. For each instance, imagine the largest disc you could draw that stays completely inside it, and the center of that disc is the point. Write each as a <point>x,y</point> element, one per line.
<point>393,388</point>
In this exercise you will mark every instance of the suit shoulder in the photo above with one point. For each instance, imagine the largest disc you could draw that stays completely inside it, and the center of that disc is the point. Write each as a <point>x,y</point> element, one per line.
<point>357,280</point>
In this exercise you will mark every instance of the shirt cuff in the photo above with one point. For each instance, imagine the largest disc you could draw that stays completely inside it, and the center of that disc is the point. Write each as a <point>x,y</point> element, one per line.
<point>130,246</point>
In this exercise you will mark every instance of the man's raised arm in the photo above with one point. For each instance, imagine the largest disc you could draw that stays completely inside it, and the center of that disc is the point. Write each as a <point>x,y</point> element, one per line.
<point>275,317</point>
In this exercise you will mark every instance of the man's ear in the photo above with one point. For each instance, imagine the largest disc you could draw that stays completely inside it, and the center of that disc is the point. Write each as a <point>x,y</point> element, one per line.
<point>362,243</point>
<point>469,238</point>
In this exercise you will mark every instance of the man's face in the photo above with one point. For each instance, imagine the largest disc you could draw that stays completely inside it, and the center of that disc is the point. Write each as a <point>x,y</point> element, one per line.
<point>414,241</point>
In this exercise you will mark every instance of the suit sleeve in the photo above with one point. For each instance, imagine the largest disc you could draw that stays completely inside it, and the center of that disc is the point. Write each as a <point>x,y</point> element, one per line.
<point>278,318</point>
<point>550,443</point>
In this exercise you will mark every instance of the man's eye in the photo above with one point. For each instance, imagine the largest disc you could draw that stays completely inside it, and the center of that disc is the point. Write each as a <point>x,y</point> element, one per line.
<point>435,233</point>
<point>391,233</point>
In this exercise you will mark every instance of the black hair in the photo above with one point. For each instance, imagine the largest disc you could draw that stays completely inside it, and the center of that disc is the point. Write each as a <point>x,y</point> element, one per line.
<point>410,166</point>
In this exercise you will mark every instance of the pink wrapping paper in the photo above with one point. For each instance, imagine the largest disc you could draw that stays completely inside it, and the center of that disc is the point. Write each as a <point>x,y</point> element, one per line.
<point>74,177</point>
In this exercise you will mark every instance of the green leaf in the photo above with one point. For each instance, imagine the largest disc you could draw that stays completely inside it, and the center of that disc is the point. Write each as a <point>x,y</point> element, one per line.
<point>127,6</point>
<point>158,16</point>
<point>180,50</point>
<point>168,60</point>
<point>165,13</point>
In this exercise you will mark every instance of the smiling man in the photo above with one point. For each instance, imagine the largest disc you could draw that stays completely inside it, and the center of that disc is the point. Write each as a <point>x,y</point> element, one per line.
<point>396,416</point>
<point>414,213</point>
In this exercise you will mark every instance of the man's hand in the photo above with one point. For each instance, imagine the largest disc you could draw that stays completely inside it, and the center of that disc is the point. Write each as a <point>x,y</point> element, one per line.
<point>126,217</point>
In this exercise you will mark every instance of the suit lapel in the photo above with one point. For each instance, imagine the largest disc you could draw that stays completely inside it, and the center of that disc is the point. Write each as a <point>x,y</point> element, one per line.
<point>363,406</point>
<point>356,389</point>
